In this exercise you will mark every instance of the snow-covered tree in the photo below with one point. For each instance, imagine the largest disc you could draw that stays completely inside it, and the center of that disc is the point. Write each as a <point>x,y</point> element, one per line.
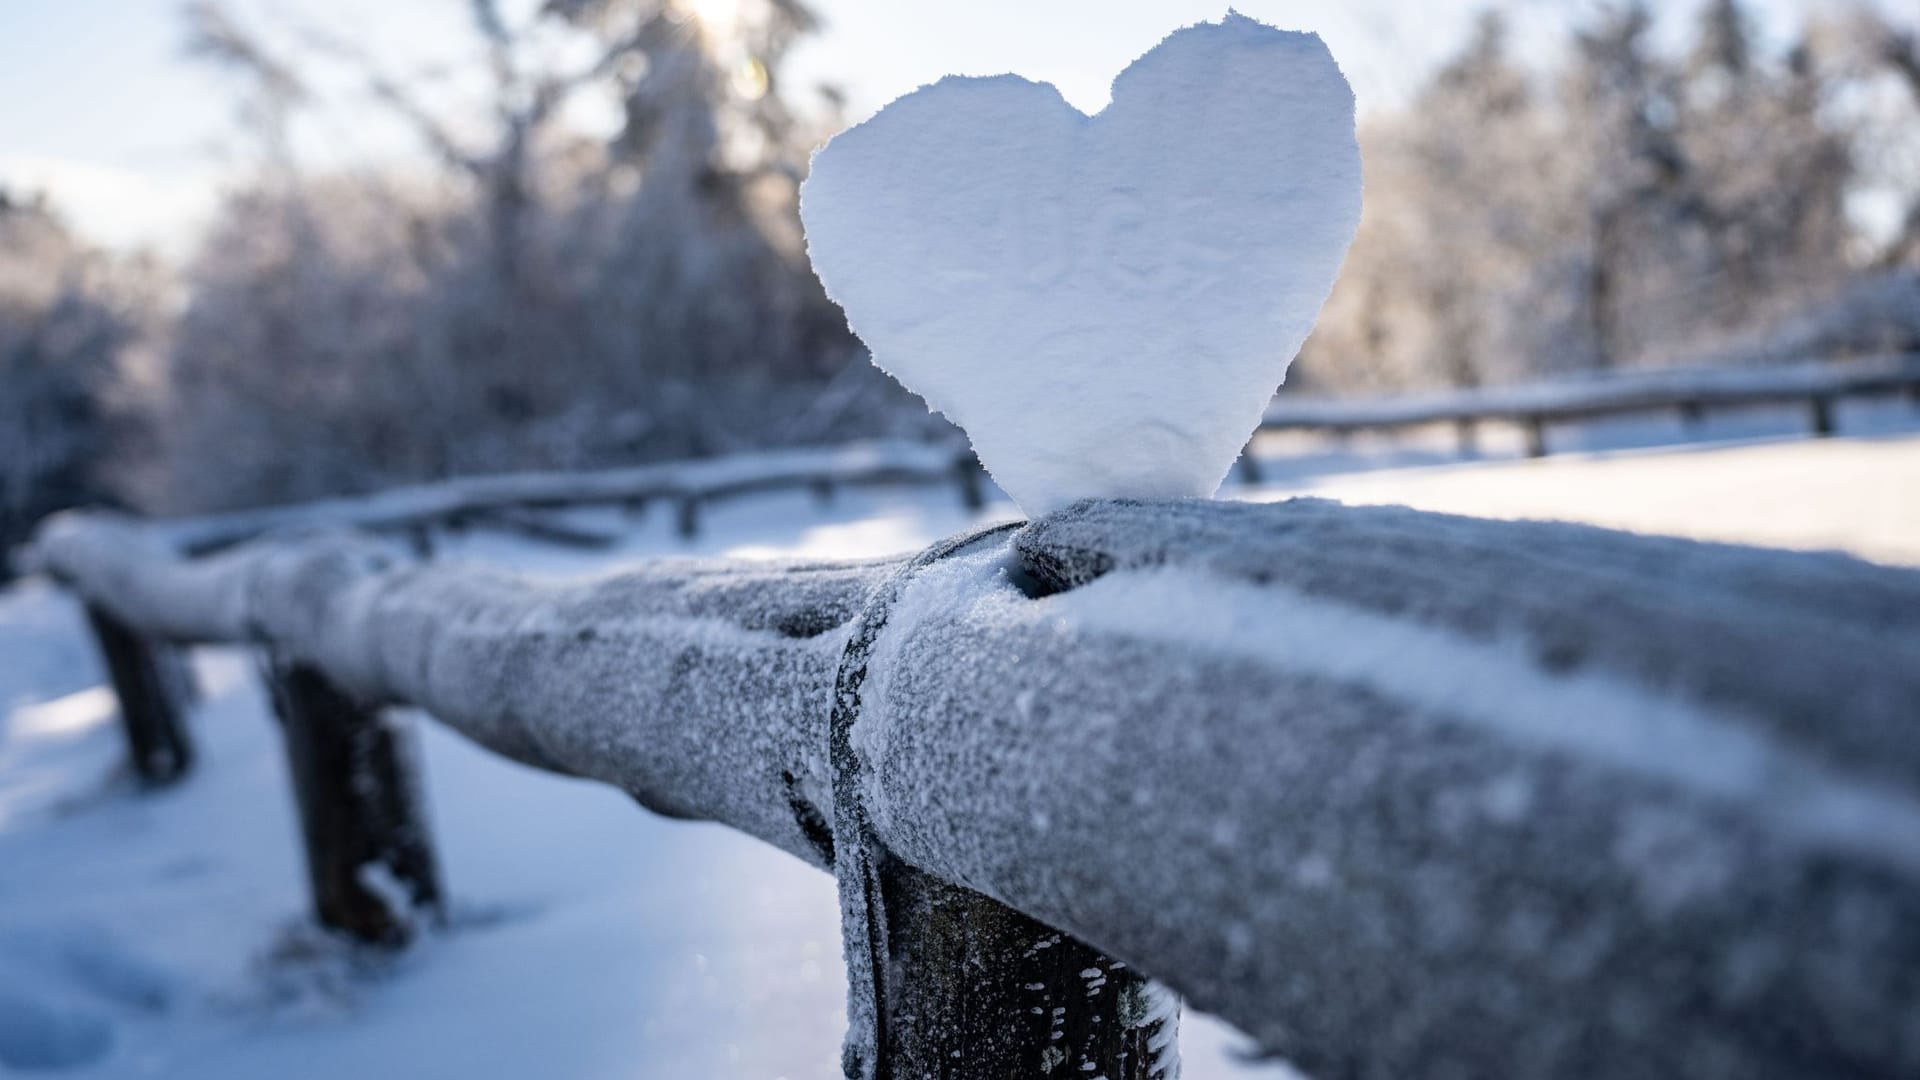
<point>533,296</point>
<point>1445,280</point>
<point>68,318</point>
<point>1622,205</point>
<point>1772,234</point>
<point>1873,63</point>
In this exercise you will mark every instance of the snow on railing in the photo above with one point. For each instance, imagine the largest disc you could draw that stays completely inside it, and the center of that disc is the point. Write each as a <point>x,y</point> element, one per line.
<point>514,501</point>
<point>505,500</point>
<point>1690,392</point>
<point>1397,793</point>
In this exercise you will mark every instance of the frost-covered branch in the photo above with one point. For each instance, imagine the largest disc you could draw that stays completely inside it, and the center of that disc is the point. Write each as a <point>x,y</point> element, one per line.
<point>1398,793</point>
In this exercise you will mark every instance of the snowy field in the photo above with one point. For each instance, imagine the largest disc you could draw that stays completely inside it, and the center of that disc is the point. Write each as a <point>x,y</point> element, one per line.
<point>165,935</point>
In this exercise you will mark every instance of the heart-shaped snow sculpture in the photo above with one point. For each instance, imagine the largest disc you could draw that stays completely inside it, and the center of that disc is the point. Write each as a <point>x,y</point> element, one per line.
<point>1106,304</point>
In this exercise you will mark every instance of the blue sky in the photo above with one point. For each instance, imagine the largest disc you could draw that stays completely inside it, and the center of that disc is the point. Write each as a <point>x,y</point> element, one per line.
<point>131,139</point>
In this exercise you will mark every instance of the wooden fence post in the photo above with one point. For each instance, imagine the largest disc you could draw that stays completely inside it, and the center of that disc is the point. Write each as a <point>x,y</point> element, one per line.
<point>370,861</point>
<point>1467,435</point>
<point>971,476</point>
<point>1250,471</point>
<point>154,687</point>
<point>1821,414</point>
<point>948,984</point>
<point>1536,436</point>
<point>420,539</point>
<point>972,990</point>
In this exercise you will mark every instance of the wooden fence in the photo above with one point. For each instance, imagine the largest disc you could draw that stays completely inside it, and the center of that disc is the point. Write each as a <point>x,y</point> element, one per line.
<point>1398,794</point>
<point>1690,393</point>
<point>517,502</point>
<point>513,501</point>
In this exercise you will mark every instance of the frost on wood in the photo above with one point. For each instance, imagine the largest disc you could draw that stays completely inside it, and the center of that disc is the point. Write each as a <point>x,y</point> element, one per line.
<point>1397,793</point>
<point>1441,796</point>
<point>700,687</point>
<point>1104,303</point>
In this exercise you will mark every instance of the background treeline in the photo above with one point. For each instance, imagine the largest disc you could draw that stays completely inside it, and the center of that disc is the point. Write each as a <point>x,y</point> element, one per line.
<point>1741,199</point>
<point>526,295</point>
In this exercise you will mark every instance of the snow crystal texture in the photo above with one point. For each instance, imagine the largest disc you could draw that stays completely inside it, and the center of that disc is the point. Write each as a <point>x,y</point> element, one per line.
<point>1399,794</point>
<point>1106,304</point>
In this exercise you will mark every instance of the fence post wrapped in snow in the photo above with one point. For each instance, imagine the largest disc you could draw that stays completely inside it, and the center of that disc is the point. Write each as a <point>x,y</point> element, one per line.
<point>1397,793</point>
<point>370,861</point>
<point>151,681</point>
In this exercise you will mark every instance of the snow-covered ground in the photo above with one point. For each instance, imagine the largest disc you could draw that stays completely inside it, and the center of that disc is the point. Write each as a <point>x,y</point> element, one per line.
<point>165,935</point>
<point>1751,478</point>
<point>1856,495</point>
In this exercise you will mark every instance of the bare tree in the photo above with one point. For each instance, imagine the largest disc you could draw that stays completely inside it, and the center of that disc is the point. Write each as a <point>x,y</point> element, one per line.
<point>68,320</point>
<point>531,296</point>
<point>1621,206</point>
<point>1876,61</point>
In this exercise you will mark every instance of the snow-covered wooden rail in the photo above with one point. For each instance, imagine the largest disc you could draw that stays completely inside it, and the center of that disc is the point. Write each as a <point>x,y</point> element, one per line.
<point>1399,794</point>
<point>502,500</point>
<point>1535,407</point>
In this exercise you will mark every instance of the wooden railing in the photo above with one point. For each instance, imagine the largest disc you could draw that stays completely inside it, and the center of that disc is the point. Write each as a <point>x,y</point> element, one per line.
<point>1536,407</point>
<point>517,502</point>
<point>1398,794</point>
<point>511,501</point>
<point>154,687</point>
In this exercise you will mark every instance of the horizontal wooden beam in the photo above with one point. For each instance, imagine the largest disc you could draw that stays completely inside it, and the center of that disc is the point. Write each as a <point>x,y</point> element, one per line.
<point>508,496</point>
<point>1690,391</point>
<point>1397,793</point>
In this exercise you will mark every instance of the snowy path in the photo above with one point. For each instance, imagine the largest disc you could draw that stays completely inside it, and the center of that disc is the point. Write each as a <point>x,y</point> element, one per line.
<point>160,936</point>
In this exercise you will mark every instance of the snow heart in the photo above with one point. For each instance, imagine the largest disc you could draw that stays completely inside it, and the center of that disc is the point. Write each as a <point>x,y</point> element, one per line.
<point>1106,304</point>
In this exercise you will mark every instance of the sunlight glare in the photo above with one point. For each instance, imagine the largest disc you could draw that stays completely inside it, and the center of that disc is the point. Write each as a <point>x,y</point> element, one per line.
<point>719,17</point>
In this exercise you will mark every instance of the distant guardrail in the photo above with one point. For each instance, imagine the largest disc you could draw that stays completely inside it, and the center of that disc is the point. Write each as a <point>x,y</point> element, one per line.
<point>1536,407</point>
<point>1397,793</point>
